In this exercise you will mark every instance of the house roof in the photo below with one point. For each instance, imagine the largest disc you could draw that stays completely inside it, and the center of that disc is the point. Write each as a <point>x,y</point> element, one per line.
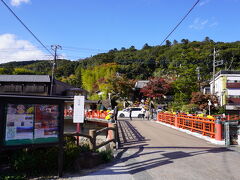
<point>25,78</point>
<point>140,84</point>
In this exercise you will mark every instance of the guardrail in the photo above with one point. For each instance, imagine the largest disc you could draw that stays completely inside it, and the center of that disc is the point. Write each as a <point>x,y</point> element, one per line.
<point>111,137</point>
<point>95,114</point>
<point>201,125</point>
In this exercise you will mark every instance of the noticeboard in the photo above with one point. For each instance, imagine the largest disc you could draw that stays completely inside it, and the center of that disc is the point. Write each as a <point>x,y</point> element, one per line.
<point>31,123</point>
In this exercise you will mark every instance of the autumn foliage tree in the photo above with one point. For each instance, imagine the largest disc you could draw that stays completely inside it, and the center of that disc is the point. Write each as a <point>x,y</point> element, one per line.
<point>156,88</point>
<point>202,100</point>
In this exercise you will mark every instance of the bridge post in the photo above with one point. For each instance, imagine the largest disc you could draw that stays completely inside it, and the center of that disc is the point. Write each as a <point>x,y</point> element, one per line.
<point>176,121</point>
<point>92,133</point>
<point>218,129</point>
<point>110,132</point>
<point>115,135</point>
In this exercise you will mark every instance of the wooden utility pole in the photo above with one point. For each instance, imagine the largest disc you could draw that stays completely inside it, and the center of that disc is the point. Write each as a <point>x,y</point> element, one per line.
<point>54,48</point>
<point>198,77</point>
<point>214,59</point>
<point>215,64</point>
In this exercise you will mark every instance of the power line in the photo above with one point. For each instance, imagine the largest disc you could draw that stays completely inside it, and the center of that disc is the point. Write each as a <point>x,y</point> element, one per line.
<point>180,22</point>
<point>27,27</point>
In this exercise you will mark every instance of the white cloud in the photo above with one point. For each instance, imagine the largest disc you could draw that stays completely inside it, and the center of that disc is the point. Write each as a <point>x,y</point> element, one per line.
<point>213,24</point>
<point>202,3</point>
<point>18,2</point>
<point>199,24</point>
<point>12,49</point>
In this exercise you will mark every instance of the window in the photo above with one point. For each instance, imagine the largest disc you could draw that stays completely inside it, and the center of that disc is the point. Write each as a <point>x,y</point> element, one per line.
<point>34,88</point>
<point>12,88</point>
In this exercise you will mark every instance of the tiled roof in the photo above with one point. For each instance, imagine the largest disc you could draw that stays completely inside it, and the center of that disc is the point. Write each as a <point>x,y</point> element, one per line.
<point>25,78</point>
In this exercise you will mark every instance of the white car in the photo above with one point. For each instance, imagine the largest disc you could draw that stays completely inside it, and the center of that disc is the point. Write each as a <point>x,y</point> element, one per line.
<point>136,112</point>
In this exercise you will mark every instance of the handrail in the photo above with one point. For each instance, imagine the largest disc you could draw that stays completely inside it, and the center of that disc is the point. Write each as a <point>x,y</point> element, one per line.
<point>105,129</point>
<point>93,135</point>
<point>104,143</point>
<point>77,134</point>
<point>98,114</point>
<point>201,125</point>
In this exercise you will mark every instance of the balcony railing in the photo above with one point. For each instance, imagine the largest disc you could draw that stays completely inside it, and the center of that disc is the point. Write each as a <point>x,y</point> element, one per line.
<point>233,85</point>
<point>233,101</point>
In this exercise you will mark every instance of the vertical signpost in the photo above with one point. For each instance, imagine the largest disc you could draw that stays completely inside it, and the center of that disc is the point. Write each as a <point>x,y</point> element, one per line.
<point>227,133</point>
<point>78,112</point>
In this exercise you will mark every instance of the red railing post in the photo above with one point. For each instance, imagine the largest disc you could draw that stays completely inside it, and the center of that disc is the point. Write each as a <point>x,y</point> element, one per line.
<point>228,117</point>
<point>176,121</point>
<point>218,130</point>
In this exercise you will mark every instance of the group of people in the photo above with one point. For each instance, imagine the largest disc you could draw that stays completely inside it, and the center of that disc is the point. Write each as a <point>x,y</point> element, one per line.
<point>147,112</point>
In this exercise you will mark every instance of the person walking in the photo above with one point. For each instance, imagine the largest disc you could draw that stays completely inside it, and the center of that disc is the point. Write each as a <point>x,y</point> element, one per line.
<point>143,111</point>
<point>130,113</point>
<point>147,114</point>
<point>151,109</point>
<point>115,112</point>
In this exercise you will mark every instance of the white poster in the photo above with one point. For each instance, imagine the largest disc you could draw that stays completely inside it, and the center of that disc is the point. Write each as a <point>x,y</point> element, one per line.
<point>78,109</point>
<point>19,121</point>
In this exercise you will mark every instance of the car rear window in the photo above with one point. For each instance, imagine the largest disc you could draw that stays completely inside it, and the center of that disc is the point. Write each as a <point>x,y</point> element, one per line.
<point>136,109</point>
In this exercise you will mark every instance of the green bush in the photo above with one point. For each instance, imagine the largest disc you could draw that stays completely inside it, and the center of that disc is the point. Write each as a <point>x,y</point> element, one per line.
<point>13,177</point>
<point>71,152</point>
<point>191,108</point>
<point>45,160</point>
<point>35,161</point>
<point>106,156</point>
<point>30,162</point>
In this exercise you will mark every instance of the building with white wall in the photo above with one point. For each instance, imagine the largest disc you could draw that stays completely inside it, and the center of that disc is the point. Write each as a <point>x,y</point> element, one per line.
<point>227,89</point>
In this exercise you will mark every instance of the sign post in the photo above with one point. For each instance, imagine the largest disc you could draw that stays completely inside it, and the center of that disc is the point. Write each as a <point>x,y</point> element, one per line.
<point>78,112</point>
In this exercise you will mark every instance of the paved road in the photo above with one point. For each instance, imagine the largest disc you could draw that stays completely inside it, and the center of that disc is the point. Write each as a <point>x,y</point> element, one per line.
<point>152,151</point>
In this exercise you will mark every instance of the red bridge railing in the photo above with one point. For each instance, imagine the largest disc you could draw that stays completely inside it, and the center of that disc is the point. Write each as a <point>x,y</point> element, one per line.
<point>201,125</point>
<point>96,114</point>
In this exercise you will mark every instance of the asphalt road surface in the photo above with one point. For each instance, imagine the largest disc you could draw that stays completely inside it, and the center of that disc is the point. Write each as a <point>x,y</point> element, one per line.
<point>152,151</point>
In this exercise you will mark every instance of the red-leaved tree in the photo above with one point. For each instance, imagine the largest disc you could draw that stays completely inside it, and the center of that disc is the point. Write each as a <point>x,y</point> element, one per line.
<point>156,88</point>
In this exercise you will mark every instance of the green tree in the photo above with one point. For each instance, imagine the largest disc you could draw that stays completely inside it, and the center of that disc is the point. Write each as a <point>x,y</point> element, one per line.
<point>19,71</point>
<point>168,43</point>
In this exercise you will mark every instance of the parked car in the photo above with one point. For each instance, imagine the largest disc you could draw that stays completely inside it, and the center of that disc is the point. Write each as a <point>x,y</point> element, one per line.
<point>136,112</point>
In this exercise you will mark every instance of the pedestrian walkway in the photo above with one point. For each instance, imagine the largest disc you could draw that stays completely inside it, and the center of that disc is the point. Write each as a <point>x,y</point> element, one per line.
<point>152,151</point>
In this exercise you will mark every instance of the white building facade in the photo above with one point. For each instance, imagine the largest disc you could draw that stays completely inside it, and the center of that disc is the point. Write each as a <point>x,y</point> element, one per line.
<point>227,89</point>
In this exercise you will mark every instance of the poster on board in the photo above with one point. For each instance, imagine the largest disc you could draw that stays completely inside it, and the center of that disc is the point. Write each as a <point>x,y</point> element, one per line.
<point>19,121</point>
<point>78,110</point>
<point>46,121</point>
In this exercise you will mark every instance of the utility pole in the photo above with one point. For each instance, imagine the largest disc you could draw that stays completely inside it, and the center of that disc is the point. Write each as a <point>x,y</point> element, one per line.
<point>215,64</point>
<point>198,77</point>
<point>214,59</point>
<point>54,48</point>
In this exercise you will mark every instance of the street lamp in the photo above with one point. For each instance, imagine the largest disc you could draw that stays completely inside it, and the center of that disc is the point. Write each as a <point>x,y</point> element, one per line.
<point>209,107</point>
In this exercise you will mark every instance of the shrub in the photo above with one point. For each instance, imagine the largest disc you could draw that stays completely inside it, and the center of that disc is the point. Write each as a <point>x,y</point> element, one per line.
<point>106,156</point>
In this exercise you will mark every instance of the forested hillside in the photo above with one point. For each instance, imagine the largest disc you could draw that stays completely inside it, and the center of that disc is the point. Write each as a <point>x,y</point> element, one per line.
<point>175,60</point>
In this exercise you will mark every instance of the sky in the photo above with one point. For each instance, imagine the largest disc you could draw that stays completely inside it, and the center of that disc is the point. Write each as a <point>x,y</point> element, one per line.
<point>87,27</point>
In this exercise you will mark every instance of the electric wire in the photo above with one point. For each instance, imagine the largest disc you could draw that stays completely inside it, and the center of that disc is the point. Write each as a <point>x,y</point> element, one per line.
<point>180,22</point>
<point>27,28</point>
